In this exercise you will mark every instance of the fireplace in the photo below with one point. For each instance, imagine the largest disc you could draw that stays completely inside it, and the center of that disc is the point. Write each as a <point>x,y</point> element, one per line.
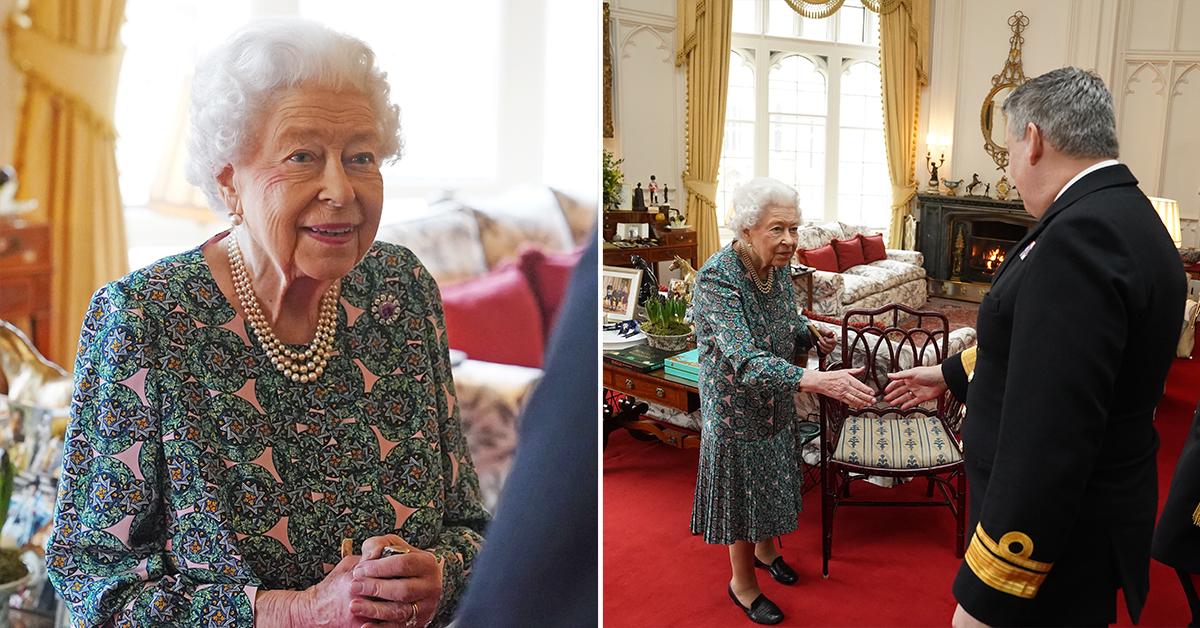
<point>965,239</point>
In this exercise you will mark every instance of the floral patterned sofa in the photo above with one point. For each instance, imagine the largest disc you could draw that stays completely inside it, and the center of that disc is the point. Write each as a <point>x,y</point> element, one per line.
<point>479,251</point>
<point>898,279</point>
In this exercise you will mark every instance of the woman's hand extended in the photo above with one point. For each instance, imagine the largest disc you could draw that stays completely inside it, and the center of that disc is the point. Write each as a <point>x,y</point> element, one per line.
<point>841,385</point>
<point>403,589</point>
<point>914,386</point>
<point>826,339</point>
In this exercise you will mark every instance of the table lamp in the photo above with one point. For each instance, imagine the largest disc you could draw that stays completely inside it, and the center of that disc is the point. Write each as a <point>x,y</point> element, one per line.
<point>1168,211</point>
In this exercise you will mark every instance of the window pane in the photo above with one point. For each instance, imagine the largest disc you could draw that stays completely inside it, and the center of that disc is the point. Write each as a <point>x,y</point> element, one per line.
<point>744,18</point>
<point>872,29</point>
<point>737,147</point>
<point>850,24</point>
<point>781,19</point>
<point>796,156</point>
<point>817,29</point>
<point>796,85</point>
<point>864,189</point>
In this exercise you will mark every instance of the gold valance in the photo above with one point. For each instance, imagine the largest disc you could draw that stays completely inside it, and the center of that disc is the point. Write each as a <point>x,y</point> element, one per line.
<point>85,78</point>
<point>818,9</point>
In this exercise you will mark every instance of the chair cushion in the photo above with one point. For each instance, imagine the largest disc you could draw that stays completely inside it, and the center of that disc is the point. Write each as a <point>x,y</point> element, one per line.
<point>873,248</point>
<point>447,243</point>
<point>495,318</point>
<point>849,253</point>
<point>820,258</point>
<point>891,442</point>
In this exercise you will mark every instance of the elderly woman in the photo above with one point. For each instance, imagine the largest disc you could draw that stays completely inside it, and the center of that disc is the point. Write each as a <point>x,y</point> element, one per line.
<point>251,412</point>
<point>748,329</point>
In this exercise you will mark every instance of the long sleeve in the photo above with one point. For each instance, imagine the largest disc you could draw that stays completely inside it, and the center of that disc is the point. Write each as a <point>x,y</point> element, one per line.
<point>957,371</point>
<point>464,518</point>
<point>719,305</point>
<point>1054,417</point>
<point>107,553</point>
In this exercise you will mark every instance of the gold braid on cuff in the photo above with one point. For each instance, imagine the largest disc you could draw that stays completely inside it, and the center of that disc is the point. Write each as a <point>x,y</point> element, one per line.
<point>1004,570</point>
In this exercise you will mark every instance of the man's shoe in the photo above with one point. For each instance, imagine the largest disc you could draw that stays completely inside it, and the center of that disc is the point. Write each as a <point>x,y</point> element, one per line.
<point>779,570</point>
<point>761,611</point>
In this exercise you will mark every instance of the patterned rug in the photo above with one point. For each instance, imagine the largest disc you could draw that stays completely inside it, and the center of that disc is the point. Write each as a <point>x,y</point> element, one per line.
<point>959,313</point>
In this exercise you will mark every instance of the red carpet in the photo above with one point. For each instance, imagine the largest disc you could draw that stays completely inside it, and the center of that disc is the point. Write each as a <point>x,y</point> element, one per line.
<point>890,567</point>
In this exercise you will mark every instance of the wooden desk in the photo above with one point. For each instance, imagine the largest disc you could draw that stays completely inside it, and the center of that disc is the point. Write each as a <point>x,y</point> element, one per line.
<point>671,242</point>
<point>660,388</point>
<point>25,279</point>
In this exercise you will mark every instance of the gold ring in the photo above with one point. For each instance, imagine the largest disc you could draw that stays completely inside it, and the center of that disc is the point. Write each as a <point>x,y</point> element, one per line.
<point>412,620</point>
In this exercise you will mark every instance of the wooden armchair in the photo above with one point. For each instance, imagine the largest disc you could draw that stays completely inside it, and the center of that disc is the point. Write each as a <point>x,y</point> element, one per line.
<point>886,441</point>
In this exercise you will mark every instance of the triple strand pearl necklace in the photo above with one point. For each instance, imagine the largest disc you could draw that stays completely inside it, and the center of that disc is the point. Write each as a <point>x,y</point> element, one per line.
<point>763,286</point>
<point>304,366</point>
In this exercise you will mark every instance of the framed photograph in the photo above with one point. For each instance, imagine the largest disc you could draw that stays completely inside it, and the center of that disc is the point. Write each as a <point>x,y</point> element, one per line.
<point>633,230</point>
<point>619,292</point>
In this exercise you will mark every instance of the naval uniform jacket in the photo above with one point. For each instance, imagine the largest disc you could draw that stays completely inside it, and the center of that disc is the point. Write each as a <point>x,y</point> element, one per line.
<point>1076,337</point>
<point>1177,537</point>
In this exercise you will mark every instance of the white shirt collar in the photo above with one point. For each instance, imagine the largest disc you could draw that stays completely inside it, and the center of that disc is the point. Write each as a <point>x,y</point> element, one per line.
<point>1082,173</point>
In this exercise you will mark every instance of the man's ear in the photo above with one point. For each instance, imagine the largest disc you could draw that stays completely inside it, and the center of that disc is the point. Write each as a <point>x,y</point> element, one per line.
<point>1037,146</point>
<point>225,186</point>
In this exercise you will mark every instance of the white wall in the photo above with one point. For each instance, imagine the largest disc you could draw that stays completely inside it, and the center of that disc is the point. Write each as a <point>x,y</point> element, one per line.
<point>648,111</point>
<point>1146,50</point>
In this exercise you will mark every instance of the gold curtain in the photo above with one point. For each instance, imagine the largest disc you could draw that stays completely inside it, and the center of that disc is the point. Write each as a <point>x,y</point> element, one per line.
<point>704,29</point>
<point>70,54</point>
<point>903,44</point>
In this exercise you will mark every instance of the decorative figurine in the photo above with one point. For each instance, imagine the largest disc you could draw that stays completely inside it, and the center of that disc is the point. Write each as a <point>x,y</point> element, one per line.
<point>932,167</point>
<point>653,188</point>
<point>639,198</point>
<point>649,279</point>
<point>8,193</point>
<point>971,187</point>
<point>952,186</point>
<point>1003,188</point>
<point>666,201</point>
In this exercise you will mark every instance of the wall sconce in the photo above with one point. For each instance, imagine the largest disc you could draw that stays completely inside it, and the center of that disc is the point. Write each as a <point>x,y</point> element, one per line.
<point>1168,211</point>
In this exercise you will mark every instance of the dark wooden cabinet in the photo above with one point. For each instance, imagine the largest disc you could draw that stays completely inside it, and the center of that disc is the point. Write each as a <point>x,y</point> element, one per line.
<point>25,275</point>
<point>671,242</point>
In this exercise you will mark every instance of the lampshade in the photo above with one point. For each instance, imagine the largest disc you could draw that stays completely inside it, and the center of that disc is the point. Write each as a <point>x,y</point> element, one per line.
<point>1168,211</point>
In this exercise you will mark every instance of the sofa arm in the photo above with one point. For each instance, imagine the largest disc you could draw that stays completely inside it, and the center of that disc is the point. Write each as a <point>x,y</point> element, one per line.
<point>828,289</point>
<point>911,257</point>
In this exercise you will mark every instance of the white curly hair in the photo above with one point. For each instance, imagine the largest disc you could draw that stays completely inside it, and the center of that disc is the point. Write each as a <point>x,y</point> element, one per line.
<point>235,84</point>
<point>751,198</point>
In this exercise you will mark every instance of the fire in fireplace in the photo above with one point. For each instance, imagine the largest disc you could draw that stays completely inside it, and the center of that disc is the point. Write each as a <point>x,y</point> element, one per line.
<point>979,248</point>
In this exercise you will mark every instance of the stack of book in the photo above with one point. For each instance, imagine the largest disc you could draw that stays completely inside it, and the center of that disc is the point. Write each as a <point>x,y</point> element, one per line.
<point>642,358</point>
<point>684,365</point>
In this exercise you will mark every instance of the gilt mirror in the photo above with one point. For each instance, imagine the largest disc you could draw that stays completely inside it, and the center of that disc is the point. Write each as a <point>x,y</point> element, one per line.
<point>991,117</point>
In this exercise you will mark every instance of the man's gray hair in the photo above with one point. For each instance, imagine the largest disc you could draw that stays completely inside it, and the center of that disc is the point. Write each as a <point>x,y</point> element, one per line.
<point>236,83</point>
<point>1071,107</point>
<point>749,201</point>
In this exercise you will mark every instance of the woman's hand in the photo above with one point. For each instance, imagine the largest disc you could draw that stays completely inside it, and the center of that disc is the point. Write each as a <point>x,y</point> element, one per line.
<point>914,386</point>
<point>402,590</point>
<point>326,603</point>
<point>841,385</point>
<point>826,340</point>
<point>963,619</point>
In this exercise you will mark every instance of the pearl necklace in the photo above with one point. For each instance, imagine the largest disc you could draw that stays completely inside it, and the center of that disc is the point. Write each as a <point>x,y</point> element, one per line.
<point>763,286</point>
<point>304,366</point>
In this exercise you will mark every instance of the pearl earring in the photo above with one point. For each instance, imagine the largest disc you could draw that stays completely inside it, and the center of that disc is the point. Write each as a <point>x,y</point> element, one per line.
<point>235,218</point>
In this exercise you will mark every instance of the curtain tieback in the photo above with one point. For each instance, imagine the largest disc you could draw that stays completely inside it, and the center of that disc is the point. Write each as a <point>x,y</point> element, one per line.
<point>706,190</point>
<point>89,79</point>
<point>902,194</point>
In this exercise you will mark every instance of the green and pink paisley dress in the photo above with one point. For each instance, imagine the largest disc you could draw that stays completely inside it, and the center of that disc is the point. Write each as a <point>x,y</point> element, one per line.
<point>195,474</point>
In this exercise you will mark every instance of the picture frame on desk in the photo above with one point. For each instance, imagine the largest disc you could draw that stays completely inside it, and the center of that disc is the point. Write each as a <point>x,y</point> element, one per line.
<point>619,292</point>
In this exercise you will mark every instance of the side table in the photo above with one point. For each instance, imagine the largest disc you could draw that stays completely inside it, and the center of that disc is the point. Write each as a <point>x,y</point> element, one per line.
<point>804,274</point>
<point>660,388</point>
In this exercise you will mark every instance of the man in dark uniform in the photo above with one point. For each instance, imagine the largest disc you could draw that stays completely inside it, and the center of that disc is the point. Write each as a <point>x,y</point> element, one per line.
<point>1177,537</point>
<point>1076,337</point>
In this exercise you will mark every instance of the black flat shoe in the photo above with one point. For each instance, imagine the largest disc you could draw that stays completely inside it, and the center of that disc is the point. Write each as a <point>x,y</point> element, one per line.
<point>779,570</point>
<point>761,611</point>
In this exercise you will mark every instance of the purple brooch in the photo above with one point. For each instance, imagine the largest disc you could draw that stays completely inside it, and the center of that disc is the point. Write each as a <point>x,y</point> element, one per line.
<point>386,308</point>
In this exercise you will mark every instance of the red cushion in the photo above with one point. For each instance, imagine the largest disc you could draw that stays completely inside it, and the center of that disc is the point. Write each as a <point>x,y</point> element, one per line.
<point>822,258</point>
<point>548,274</point>
<point>873,248</point>
<point>849,253</point>
<point>495,318</point>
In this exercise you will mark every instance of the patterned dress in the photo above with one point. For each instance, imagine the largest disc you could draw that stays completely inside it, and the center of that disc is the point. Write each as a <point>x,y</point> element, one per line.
<point>749,477</point>
<point>195,474</point>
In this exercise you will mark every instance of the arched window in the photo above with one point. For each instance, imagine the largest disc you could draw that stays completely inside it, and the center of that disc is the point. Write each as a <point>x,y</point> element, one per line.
<point>796,110</point>
<point>737,147</point>
<point>863,197</point>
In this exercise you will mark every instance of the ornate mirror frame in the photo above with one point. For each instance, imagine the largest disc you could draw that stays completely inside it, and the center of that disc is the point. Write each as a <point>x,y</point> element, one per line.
<point>1008,79</point>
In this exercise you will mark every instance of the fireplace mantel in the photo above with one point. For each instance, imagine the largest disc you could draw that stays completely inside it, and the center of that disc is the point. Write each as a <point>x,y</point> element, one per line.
<point>936,215</point>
